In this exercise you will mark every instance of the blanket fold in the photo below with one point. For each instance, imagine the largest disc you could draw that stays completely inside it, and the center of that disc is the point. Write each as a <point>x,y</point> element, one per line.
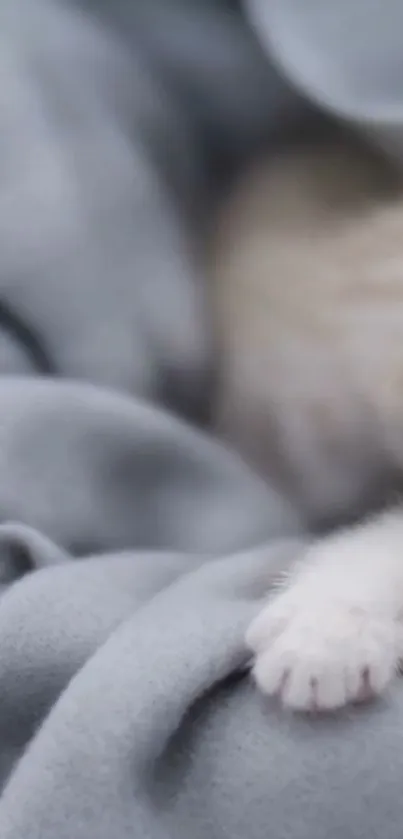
<point>135,548</point>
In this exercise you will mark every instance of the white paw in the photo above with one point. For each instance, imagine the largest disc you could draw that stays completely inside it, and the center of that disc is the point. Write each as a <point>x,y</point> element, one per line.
<point>320,656</point>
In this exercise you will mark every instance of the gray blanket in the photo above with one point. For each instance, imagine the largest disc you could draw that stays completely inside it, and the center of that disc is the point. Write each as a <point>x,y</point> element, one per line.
<point>134,549</point>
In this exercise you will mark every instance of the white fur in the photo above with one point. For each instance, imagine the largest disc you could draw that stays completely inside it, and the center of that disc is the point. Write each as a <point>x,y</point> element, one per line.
<point>334,634</point>
<point>309,296</point>
<point>309,284</point>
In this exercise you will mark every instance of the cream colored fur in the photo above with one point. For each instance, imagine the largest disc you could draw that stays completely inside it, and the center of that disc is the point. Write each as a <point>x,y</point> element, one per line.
<point>308,285</point>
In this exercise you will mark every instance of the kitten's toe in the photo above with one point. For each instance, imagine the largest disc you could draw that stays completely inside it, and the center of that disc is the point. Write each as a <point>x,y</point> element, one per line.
<point>321,659</point>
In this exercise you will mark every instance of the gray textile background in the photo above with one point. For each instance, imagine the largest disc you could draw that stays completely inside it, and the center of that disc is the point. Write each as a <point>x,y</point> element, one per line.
<point>347,57</point>
<point>134,549</point>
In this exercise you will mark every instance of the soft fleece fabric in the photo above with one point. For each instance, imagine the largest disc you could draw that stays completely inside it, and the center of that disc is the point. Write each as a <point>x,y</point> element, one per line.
<point>134,549</point>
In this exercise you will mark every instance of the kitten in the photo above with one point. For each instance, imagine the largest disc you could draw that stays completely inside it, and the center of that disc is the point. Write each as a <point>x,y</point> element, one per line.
<point>308,286</point>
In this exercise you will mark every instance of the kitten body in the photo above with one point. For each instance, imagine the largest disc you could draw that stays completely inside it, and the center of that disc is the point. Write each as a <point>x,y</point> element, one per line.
<point>309,301</point>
